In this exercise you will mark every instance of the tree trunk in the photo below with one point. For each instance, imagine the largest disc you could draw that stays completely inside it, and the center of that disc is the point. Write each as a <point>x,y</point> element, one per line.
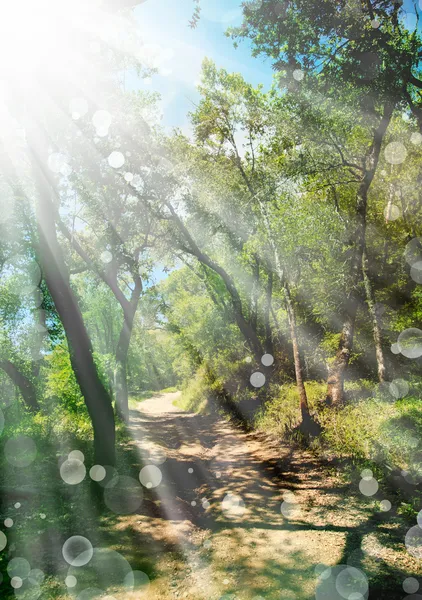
<point>269,346</point>
<point>336,371</point>
<point>120,374</point>
<point>376,329</point>
<point>278,268</point>
<point>129,308</point>
<point>303,399</point>
<point>26,387</point>
<point>248,332</point>
<point>56,276</point>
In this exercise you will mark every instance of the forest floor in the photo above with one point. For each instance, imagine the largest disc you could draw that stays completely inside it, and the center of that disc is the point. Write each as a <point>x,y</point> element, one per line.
<point>240,516</point>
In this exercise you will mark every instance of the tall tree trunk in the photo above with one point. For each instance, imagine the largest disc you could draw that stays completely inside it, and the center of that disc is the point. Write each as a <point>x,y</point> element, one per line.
<point>303,399</point>
<point>25,385</point>
<point>297,360</point>
<point>376,329</point>
<point>269,346</point>
<point>248,332</point>
<point>337,369</point>
<point>56,276</point>
<point>129,308</point>
<point>278,268</point>
<point>120,374</point>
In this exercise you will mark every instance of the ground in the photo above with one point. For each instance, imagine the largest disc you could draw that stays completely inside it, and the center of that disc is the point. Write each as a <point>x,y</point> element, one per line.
<point>221,514</point>
<point>241,516</point>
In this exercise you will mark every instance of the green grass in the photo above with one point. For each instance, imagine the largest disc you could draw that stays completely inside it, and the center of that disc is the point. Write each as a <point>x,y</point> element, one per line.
<point>47,503</point>
<point>370,431</point>
<point>195,396</point>
<point>371,427</point>
<point>366,427</point>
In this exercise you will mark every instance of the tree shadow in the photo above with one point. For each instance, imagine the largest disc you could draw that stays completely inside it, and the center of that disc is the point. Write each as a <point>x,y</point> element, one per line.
<point>207,460</point>
<point>178,500</point>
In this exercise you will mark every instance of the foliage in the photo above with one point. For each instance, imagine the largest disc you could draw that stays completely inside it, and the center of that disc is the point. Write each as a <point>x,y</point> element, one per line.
<point>281,413</point>
<point>372,429</point>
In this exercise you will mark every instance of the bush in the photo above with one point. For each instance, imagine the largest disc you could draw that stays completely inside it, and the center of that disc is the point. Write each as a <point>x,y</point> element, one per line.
<point>224,390</point>
<point>281,413</point>
<point>366,428</point>
<point>354,430</point>
<point>195,395</point>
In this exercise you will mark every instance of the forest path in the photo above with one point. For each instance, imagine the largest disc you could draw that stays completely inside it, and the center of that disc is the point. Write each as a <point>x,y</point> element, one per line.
<point>237,516</point>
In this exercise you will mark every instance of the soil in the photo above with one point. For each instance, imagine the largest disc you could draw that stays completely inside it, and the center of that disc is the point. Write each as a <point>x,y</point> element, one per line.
<point>241,516</point>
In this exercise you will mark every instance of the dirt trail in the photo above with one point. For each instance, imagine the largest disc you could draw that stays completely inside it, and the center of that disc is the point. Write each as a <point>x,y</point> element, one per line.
<point>238,517</point>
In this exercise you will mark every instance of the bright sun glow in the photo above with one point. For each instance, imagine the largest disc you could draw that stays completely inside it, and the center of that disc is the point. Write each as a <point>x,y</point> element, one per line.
<point>53,43</point>
<point>33,36</point>
<point>47,34</point>
<point>36,40</point>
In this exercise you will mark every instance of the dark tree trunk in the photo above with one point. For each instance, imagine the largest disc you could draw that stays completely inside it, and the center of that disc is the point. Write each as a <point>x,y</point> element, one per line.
<point>248,332</point>
<point>376,329</point>
<point>129,308</point>
<point>56,276</point>
<point>26,387</point>
<point>303,399</point>
<point>269,346</point>
<point>120,375</point>
<point>337,369</point>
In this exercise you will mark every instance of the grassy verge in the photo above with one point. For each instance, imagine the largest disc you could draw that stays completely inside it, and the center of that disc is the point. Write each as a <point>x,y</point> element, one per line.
<point>195,396</point>
<point>42,510</point>
<point>372,430</point>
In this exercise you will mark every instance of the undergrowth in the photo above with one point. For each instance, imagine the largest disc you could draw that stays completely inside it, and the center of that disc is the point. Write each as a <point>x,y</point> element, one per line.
<point>372,429</point>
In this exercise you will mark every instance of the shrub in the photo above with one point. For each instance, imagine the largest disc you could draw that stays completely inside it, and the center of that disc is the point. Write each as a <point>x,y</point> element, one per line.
<point>366,428</point>
<point>195,395</point>
<point>281,412</point>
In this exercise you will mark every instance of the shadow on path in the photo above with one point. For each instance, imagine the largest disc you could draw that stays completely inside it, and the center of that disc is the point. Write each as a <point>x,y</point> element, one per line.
<point>236,514</point>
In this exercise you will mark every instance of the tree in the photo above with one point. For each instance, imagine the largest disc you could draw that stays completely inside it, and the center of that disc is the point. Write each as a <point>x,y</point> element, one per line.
<point>231,107</point>
<point>364,47</point>
<point>105,217</point>
<point>22,305</point>
<point>57,279</point>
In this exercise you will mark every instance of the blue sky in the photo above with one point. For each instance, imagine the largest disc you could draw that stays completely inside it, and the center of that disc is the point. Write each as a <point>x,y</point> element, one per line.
<point>179,51</point>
